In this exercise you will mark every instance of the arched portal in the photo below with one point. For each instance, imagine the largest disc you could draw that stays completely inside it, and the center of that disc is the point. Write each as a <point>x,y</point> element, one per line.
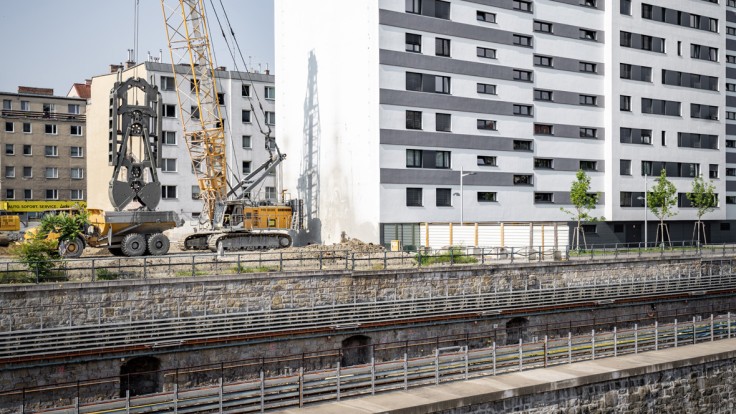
<point>140,376</point>
<point>515,329</point>
<point>356,350</point>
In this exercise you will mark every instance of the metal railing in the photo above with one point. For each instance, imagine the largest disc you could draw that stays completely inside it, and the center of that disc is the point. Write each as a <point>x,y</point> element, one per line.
<point>48,342</point>
<point>270,390</point>
<point>192,265</point>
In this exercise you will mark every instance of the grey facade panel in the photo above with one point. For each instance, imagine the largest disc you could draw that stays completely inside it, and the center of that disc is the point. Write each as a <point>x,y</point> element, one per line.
<point>439,64</point>
<point>501,4</point>
<point>444,27</point>
<point>730,185</point>
<point>573,164</point>
<point>573,32</point>
<point>731,158</point>
<point>445,102</point>
<point>573,131</point>
<point>730,44</point>
<point>444,177</point>
<point>573,65</point>
<point>731,101</point>
<point>731,129</point>
<point>563,197</point>
<point>731,73</point>
<point>444,140</point>
<point>573,98</point>
<point>600,5</point>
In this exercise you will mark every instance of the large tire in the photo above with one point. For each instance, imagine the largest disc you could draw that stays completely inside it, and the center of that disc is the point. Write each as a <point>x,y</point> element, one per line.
<point>115,251</point>
<point>158,244</point>
<point>71,249</point>
<point>284,241</point>
<point>133,244</point>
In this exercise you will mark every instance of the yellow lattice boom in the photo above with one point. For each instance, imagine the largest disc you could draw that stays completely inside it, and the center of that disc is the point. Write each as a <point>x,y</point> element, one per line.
<point>196,89</point>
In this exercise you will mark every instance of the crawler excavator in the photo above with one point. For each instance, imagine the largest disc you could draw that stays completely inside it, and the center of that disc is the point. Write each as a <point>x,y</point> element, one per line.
<point>230,219</point>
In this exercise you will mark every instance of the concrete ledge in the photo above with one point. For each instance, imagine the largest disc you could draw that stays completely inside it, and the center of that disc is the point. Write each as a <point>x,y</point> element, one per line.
<point>458,394</point>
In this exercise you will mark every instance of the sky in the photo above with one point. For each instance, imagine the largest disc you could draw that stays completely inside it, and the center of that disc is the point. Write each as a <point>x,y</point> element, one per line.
<point>55,43</point>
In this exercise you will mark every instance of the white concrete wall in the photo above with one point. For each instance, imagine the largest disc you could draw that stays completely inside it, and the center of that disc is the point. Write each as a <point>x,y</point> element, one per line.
<point>327,94</point>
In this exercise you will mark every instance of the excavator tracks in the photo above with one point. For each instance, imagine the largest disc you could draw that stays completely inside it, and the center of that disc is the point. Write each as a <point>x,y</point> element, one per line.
<point>238,241</point>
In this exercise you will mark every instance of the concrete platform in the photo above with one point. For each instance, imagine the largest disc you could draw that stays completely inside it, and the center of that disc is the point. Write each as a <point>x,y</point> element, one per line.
<point>464,393</point>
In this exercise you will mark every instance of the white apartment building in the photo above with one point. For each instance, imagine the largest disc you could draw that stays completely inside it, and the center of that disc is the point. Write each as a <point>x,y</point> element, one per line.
<point>243,125</point>
<point>401,112</point>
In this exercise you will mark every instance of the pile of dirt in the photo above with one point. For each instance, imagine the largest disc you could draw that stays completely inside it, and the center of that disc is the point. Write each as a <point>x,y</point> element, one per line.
<point>351,245</point>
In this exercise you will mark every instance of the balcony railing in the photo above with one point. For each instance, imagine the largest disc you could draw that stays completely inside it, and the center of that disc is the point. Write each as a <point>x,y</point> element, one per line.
<point>52,116</point>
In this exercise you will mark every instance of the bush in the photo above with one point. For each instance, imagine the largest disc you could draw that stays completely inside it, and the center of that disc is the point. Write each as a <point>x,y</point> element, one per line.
<point>454,255</point>
<point>257,269</point>
<point>38,254</point>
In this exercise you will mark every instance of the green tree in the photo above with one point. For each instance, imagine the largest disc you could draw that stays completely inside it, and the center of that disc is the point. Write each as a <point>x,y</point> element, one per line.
<point>584,201</point>
<point>703,198</point>
<point>660,200</point>
<point>38,254</point>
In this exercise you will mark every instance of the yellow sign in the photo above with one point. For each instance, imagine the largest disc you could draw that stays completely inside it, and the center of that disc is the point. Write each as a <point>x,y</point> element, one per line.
<point>28,206</point>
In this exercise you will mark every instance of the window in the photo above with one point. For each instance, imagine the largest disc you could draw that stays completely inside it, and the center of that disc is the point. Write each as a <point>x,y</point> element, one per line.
<point>27,128</point>
<point>10,194</point>
<point>27,194</point>
<point>589,3</point>
<point>642,42</point>
<point>52,172</point>
<point>730,143</point>
<point>76,152</point>
<point>75,130</point>
<point>27,172</point>
<point>522,145</point>
<point>679,18</point>
<point>413,158</point>
<point>413,43</point>
<point>167,83</point>
<point>442,159</point>
<point>486,197</point>
<point>27,149</point>
<point>414,6</point>
<point>51,151</point>
<point>731,31</point>
<point>9,127</point>
<point>169,111</point>
<point>543,27</point>
<point>713,171</point>
<point>522,5</point>
<point>523,110</point>
<point>731,87</point>
<point>689,80</point>
<point>73,109</point>
<point>443,197</point>
<point>636,72</point>
<point>588,67</point>
<point>485,52</point>
<point>427,83</point>
<point>588,132</point>
<point>486,124</point>
<point>635,136</point>
<point>194,111</point>
<point>542,129</point>
<point>588,100</point>
<point>542,61</point>
<point>9,149</point>
<point>586,165</point>
<point>730,199</point>
<point>442,47</point>
<point>703,111</point>
<point>50,129</point>
<point>7,104</point>
<point>9,172</point>
<point>660,107</point>
<point>730,172</point>
<point>52,194</point>
<point>704,53</point>
<point>441,9</point>
<point>731,116</point>
<point>168,164</point>
<point>77,173</point>
<point>520,40</point>
<point>542,95</point>
<point>487,89</point>
<point>443,122</point>
<point>482,16</point>
<point>169,138</point>
<point>77,194</point>
<point>270,118</point>
<point>487,161</point>
<point>245,90</point>
<point>625,7</point>
<point>168,192</point>
<point>691,140</point>
<point>588,34</point>
<point>543,197</point>
<point>196,194</point>
<point>625,39</point>
<point>221,99</point>
<point>625,104</point>
<point>269,92</point>
<point>413,120</point>
<point>664,138</point>
<point>245,142</point>
<point>522,180</point>
<point>47,109</point>
<point>246,167</point>
<point>25,106</point>
<point>245,116</point>
<point>543,163</point>
<point>414,197</point>
<point>625,167</point>
<point>522,75</point>
<point>270,193</point>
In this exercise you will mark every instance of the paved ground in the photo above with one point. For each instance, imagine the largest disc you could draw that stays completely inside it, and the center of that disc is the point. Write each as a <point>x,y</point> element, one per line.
<point>462,393</point>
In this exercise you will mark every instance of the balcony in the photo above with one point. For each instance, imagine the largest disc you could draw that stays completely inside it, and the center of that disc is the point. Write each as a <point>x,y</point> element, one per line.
<point>51,116</point>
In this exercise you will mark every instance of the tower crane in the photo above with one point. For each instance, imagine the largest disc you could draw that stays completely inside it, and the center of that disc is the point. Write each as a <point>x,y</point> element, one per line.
<point>230,220</point>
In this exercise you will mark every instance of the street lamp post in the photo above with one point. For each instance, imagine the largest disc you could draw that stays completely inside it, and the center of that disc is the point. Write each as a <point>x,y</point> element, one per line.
<point>462,176</point>
<point>646,207</point>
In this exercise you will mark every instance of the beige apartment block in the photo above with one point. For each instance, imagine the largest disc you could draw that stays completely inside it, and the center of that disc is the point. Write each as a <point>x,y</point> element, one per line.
<point>43,152</point>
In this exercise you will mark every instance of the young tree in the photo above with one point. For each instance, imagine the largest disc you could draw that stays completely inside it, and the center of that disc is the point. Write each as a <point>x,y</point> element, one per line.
<point>703,198</point>
<point>660,201</point>
<point>584,201</point>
